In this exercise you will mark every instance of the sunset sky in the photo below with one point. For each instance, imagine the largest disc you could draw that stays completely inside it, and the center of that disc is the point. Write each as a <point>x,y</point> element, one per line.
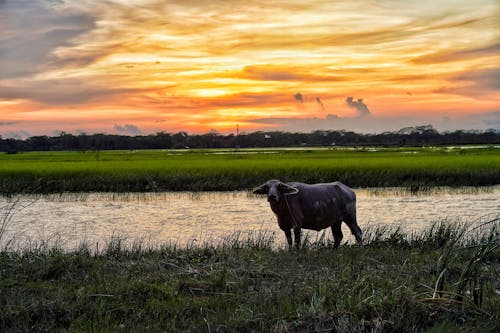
<point>144,66</point>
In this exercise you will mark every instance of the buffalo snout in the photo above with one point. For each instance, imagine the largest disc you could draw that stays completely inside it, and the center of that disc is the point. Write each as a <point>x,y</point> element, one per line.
<point>272,198</point>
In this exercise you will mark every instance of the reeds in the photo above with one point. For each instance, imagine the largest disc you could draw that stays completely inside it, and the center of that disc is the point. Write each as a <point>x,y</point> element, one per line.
<point>9,208</point>
<point>443,278</point>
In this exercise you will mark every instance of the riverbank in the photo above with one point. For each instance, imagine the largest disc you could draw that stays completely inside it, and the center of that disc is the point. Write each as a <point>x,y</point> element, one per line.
<point>229,170</point>
<point>443,279</point>
<point>65,220</point>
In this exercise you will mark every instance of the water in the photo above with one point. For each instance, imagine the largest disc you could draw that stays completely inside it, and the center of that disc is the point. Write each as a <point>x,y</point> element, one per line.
<point>186,218</point>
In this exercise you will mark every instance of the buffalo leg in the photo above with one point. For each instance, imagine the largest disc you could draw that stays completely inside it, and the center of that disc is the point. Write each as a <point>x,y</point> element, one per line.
<point>288,234</point>
<point>355,230</point>
<point>337,234</point>
<point>296,233</point>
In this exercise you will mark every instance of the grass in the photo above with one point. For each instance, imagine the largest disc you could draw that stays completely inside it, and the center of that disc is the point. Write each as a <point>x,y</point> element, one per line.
<point>442,279</point>
<point>208,170</point>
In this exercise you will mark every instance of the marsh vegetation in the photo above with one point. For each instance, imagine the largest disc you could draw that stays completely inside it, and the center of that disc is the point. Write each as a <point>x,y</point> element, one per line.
<point>444,278</point>
<point>219,170</point>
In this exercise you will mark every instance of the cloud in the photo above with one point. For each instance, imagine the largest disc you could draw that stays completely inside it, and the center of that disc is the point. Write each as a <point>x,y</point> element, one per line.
<point>488,79</point>
<point>20,135</point>
<point>8,123</point>
<point>473,53</point>
<point>475,83</point>
<point>299,98</point>
<point>372,31</point>
<point>33,30</point>
<point>494,123</point>
<point>100,50</point>
<point>270,72</point>
<point>332,117</point>
<point>332,122</point>
<point>492,120</point>
<point>487,120</point>
<point>358,105</point>
<point>320,103</point>
<point>247,99</point>
<point>380,124</point>
<point>127,129</point>
<point>58,92</point>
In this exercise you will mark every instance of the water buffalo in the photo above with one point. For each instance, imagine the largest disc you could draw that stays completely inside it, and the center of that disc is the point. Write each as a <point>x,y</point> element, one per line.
<point>315,207</point>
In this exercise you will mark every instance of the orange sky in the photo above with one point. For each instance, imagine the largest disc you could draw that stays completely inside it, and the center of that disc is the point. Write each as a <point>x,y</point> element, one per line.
<point>143,66</point>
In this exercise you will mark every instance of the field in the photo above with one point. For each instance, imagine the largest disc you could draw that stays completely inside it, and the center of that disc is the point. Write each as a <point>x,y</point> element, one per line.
<point>211,170</point>
<point>444,279</point>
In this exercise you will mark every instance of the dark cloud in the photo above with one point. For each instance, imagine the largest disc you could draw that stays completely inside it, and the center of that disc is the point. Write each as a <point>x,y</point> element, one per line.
<point>332,117</point>
<point>359,105</point>
<point>299,98</point>
<point>330,121</point>
<point>61,92</point>
<point>320,103</point>
<point>34,29</point>
<point>475,83</point>
<point>128,129</point>
<point>488,79</point>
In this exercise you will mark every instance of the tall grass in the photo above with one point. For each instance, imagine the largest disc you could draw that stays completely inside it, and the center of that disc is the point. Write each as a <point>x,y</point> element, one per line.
<point>8,209</point>
<point>445,278</point>
<point>123,171</point>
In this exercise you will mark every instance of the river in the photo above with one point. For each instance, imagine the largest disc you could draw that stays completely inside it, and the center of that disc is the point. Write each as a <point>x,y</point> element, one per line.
<point>186,218</point>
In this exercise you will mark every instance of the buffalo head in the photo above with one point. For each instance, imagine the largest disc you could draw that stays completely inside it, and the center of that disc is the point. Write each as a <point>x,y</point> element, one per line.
<point>275,190</point>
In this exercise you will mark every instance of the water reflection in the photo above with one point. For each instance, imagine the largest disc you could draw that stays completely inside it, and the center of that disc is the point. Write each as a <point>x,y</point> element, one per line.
<point>182,218</point>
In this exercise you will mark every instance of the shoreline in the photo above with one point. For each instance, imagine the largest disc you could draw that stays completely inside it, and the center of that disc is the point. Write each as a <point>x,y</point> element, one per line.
<point>438,279</point>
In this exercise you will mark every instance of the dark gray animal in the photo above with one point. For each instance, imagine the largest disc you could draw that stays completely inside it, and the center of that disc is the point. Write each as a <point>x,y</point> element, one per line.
<point>315,207</point>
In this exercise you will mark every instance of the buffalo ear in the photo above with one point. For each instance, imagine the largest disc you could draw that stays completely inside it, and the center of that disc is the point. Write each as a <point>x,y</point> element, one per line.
<point>262,189</point>
<point>287,189</point>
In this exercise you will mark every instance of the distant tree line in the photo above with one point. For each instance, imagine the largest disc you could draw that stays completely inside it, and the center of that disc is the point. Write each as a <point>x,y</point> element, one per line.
<point>410,136</point>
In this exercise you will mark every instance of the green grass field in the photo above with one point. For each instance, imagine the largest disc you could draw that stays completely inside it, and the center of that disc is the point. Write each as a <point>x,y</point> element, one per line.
<point>444,279</point>
<point>132,171</point>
